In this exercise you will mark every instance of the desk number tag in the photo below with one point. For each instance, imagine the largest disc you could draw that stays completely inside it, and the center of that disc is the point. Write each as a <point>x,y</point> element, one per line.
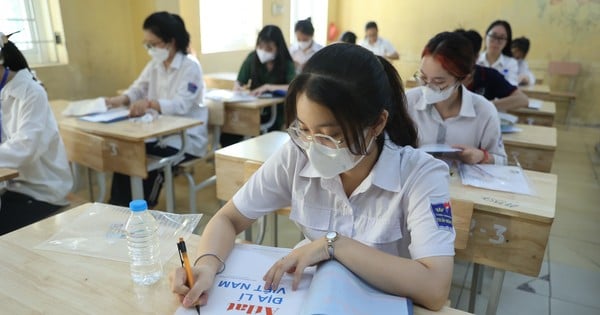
<point>442,214</point>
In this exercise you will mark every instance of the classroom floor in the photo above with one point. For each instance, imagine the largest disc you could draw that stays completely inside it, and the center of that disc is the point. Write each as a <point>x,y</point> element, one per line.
<point>569,282</point>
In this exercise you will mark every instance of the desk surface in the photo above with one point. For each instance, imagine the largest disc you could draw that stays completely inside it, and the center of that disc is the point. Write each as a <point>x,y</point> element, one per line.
<point>8,173</point>
<point>543,88</point>
<point>256,149</point>
<point>257,104</point>
<point>547,109</point>
<point>124,130</point>
<point>531,136</point>
<point>48,282</point>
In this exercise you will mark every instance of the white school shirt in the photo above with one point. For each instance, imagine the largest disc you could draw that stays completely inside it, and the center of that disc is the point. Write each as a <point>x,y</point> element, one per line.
<point>524,71</point>
<point>477,124</point>
<point>179,91</point>
<point>507,66</point>
<point>31,143</point>
<point>301,56</point>
<point>381,47</point>
<point>395,209</point>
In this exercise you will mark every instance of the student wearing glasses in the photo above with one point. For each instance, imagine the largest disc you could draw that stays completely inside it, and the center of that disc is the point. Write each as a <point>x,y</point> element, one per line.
<point>497,54</point>
<point>358,189</point>
<point>170,84</point>
<point>445,111</point>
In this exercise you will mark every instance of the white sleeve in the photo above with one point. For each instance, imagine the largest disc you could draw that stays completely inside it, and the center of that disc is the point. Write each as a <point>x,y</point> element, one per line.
<point>491,138</point>
<point>512,71</point>
<point>189,90</point>
<point>139,88</point>
<point>388,48</point>
<point>270,188</point>
<point>527,71</point>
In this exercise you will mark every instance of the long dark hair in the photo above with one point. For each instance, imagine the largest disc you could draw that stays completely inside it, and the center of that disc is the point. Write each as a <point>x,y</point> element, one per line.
<point>506,50</point>
<point>453,51</point>
<point>273,34</point>
<point>168,26</point>
<point>12,56</point>
<point>356,86</point>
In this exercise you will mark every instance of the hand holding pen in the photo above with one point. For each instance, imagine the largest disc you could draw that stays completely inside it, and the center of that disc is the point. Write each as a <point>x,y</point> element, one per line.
<point>185,263</point>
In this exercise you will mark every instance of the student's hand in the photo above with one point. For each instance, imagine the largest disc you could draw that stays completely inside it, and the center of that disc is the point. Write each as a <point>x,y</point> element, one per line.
<point>469,154</point>
<point>523,79</point>
<point>138,108</point>
<point>197,295</point>
<point>295,262</point>
<point>116,101</point>
<point>260,90</point>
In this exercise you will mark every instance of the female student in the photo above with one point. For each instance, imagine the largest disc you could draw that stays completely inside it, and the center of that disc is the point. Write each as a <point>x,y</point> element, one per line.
<point>350,170</point>
<point>305,46</point>
<point>268,68</point>
<point>519,49</point>
<point>378,45</point>
<point>29,143</point>
<point>497,54</point>
<point>445,111</point>
<point>171,84</point>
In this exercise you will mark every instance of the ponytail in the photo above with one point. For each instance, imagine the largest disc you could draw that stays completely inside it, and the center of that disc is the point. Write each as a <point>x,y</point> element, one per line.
<point>12,57</point>
<point>400,127</point>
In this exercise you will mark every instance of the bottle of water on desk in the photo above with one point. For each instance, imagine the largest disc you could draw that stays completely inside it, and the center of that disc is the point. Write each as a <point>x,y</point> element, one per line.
<point>143,245</point>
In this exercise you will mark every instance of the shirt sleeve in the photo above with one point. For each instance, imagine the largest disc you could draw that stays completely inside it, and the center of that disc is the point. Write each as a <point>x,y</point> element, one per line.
<point>139,88</point>
<point>25,145</point>
<point>512,71</point>
<point>524,69</point>
<point>270,188</point>
<point>244,73</point>
<point>429,219</point>
<point>498,84</point>
<point>388,48</point>
<point>290,72</point>
<point>189,89</point>
<point>491,138</point>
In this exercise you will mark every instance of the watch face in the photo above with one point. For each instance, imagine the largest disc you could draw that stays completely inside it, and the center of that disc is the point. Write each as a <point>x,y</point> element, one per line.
<point>331,235</point>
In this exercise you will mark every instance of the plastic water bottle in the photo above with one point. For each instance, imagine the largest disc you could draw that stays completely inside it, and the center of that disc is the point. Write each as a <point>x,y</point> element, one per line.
<point>143,245</point>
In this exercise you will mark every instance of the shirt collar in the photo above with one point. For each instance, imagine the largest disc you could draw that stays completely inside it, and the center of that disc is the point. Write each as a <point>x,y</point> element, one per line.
<point>175,64</point>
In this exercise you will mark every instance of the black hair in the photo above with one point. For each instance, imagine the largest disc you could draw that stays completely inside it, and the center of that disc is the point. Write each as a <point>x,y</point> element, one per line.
<point>453,51</point>
<point>167,27</point>
<point>474,37</point>
<point>348,37</point>
<point>371,24</point>
<point>12,56</point>
<point>273,34</point>
<point>356,95</point>
<point>522,44</point>
<point>506,50</point>
<point>305,27</point>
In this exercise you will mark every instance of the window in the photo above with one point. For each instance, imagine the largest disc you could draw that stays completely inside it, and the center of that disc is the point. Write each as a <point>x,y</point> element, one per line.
<point>229,25</point>
<point>316,10</point>
<point>39,24</point>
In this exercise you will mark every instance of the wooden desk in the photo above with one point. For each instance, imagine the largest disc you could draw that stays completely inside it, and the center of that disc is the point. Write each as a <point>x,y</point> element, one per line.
<point>534,146</point>
<point>539,91</point>
<point>243,118</point>
<point>8,173</point>
<point>220,80</point>
<point>544,116</point>
<point>48,282</point>
<point>120,146</point>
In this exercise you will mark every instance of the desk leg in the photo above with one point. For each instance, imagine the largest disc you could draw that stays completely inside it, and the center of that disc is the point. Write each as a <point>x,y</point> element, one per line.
<point>495,292</point>
<point>137,188</point>
<point>101,179</point>
<point>89,184</point>
<point>169,187</point>
<point>474,287</point>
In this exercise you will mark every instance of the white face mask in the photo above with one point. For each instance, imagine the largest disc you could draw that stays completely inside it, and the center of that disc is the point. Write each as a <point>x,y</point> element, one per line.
<point>304,45</point>
<point>264,56</point>
<point>432,96</point>
<point>330,162</point>
<point>158,54</point>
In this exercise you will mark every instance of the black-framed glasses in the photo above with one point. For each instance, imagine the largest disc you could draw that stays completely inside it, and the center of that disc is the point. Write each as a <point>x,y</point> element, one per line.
<point>497,38</point>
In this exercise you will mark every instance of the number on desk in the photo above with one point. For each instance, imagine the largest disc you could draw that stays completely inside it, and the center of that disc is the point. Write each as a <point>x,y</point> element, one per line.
<point>500,229</point>
<point>501,202</point>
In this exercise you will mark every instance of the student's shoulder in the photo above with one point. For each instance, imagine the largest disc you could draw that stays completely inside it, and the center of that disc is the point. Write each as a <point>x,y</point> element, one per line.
<point>482,106</point>
<point>420,163</point>
<point>413,95</point>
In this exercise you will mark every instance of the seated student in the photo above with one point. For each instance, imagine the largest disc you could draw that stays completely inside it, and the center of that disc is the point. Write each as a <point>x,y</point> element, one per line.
<point>348,37</point>
<point>171,84</point>
<point>445,111</point>
<point>497,52</point>
<point>268,68</point>
<point>305,46</point>
<point>376,44</point>
<point>490,83</point>
<point>519,49</point>
<point>29,143</point>
<point>351,170</point>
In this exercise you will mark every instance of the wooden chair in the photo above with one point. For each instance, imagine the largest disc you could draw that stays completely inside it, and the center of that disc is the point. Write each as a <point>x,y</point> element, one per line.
<point>569,70</point>
<point>216,118</point>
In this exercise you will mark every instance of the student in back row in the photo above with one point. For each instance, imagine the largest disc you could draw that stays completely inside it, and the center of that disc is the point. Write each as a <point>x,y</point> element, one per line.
<point>29,143</point>
<point>497,54</point>
<point>305,46</point>
<point>170,84</point>
<point>519,49</point>
<point>268,68</point>
<point>376,44</point>
<point>445,111</point>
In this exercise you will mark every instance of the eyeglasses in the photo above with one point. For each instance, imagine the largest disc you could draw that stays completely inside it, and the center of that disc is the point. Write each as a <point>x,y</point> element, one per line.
<point>497,38</point>
<point>149,46</point>
<point>421,81</point>
<point>303,140</point>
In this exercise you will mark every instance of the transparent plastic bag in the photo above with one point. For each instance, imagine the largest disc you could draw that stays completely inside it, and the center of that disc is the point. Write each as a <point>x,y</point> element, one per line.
<point>100,232</point>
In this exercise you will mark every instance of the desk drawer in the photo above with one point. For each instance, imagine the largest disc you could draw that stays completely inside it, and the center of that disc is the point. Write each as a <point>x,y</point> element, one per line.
<point>83,148</point>
<point>508,243</point>
<point>531,158</point>
<point>230,176</point>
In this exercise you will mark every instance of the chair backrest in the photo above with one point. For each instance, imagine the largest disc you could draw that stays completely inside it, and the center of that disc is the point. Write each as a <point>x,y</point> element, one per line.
<point>564,68</point>
<point>462,211</point>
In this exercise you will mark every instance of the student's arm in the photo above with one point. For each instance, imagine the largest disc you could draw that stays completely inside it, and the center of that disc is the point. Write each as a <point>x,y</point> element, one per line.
<point>512,76</point>
<point>516,99</point>
<point>244,73</point>
<point>269,87</point>
<point>189,89</point>
<point>25,145</point>
<point>138,90</point>
<point>390,51</point>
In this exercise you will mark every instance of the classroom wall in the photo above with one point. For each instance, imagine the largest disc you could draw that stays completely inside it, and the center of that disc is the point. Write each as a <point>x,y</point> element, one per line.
<point>558,30</point>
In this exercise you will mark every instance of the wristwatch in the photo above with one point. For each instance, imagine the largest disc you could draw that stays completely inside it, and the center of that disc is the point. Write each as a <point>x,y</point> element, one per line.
<point>331,237</point>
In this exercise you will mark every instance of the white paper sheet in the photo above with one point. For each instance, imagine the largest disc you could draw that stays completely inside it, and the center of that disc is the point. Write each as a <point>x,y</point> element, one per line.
<point>438,148</point>
<point>496,177</point>
<point>535,104</point>
<point>509,129</point>
<point>220,95</point>
<point>85,107</point>
<point>112,115</point>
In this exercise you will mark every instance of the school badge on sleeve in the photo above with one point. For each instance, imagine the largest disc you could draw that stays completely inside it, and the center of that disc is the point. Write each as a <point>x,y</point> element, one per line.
<point>442,214</point>
<point>192,87</point>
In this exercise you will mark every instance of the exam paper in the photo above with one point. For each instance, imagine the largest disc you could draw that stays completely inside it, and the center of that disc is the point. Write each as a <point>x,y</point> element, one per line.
<point>496,177</point>
<point>535,104</point>
<point>220,95</point>
<point>438,148</point>
<point>85,107</point>
<point>111,115</point>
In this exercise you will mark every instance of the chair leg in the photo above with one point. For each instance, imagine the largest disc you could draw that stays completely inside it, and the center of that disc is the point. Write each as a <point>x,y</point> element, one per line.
<point>192,191</point>
<point>569,112</point>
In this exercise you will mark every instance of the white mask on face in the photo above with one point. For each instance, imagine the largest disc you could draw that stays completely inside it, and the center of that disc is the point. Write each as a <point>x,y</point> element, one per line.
<point>330,162</point>
<point>432,96</point>
<point>158,54</point>
<point>304,45</point>
<point>264,56</point>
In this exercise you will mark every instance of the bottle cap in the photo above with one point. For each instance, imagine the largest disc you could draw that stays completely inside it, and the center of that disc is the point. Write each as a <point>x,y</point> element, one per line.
<point>138,205</point>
